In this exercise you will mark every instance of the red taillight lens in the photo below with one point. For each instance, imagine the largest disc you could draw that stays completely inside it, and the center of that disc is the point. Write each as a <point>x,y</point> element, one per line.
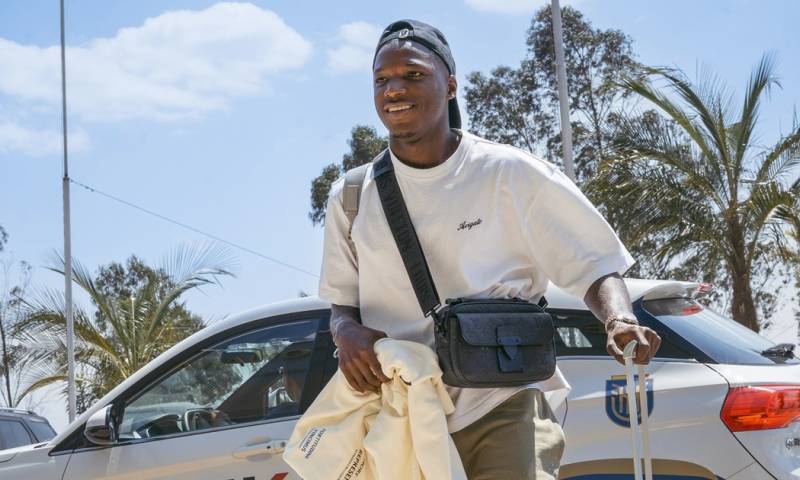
<point>761,407</point>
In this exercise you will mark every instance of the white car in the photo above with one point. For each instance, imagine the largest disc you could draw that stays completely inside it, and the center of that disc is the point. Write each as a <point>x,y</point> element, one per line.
<point>220,405</point>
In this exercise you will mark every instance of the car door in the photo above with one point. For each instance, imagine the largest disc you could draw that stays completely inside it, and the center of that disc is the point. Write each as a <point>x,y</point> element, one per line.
<point>684,399</point>
<point>222,413</point>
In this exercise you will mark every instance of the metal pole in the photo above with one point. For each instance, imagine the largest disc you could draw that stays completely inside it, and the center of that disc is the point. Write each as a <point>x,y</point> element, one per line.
<point>561,75</point>
<point>67,238</point>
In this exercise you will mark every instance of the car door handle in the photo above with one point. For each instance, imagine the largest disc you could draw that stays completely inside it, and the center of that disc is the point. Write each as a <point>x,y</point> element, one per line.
<point>272,447</point>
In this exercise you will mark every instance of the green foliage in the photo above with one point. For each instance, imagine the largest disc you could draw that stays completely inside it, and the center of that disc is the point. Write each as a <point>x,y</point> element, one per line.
<point>365,144</point>
<point>138,315</point>
<point>509,106</point>
<point>16,359</point>
<point>3,238</point>
<point>520,106</point>
<point>710,200</point>
<point>121,283</point>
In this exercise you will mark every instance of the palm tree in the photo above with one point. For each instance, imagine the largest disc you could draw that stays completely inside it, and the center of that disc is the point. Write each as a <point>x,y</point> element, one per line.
<point>133,331</point>
<point>705,189</point>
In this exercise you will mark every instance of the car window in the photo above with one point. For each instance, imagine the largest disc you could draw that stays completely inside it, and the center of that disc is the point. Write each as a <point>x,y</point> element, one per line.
<point>579,333</point>
<point>13,434</point>
<point>254,376</point>
<point>42,430</point>
<point>721,338</point>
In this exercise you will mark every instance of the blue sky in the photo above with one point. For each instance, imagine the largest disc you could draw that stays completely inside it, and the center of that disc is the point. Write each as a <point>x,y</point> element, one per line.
<point>219,115</point>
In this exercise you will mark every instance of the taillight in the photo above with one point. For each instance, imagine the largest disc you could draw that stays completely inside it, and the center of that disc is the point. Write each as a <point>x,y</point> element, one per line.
<point>761,407</point>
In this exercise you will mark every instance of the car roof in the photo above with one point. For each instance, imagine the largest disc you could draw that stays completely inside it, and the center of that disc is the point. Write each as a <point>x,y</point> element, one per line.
<point>19,413</point>
<point>557,299</point>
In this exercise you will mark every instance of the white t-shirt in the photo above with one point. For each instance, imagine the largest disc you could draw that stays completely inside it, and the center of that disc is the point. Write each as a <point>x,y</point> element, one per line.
<point>493,221</point>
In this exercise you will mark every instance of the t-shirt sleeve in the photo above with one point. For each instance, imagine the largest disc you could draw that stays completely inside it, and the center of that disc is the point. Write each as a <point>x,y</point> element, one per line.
<point>570,240</point>
<point>338,283</point>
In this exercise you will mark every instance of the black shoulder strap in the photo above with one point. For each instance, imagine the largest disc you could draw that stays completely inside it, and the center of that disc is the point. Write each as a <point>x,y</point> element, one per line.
<point>394,207</point>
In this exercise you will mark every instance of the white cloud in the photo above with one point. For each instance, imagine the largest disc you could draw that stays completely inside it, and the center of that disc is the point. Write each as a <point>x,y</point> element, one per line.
<point>178,64</point>
<point>511,6</point>
<point>15,138</point>
<point>355,46</point>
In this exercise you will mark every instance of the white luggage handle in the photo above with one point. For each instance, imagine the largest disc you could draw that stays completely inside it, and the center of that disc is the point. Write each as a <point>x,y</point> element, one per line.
<point>628,354</point>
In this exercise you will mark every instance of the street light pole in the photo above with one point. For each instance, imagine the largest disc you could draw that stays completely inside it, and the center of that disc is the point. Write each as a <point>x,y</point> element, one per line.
<point>561,75</point>
<point>67,238</point>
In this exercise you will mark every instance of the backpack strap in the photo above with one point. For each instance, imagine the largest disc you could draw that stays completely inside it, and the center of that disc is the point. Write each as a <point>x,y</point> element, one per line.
<point>353,182</point>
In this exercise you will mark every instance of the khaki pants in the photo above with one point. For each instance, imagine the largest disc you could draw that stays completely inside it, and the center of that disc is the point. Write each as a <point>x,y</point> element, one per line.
<point>520,439</point>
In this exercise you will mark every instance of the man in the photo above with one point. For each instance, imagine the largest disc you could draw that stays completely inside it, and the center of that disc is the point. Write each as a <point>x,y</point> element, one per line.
<point>493,221</point>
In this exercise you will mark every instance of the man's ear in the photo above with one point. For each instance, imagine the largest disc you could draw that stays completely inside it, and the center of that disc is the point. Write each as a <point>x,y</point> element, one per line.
<point>452,86</point>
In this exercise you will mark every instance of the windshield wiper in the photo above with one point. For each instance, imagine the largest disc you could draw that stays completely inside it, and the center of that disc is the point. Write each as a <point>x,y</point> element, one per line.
<point>780,350</point>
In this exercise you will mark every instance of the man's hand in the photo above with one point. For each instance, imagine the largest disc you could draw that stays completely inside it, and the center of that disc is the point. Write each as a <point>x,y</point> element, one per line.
<point>620,334</point>
<point>608,297</point>
<point>355,344</point>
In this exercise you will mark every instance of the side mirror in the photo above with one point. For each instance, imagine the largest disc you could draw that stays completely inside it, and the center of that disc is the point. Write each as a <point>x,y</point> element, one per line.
<point>100,428</point>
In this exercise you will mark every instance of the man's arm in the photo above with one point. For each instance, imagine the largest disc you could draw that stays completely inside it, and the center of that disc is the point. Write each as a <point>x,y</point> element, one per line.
<point>354,343</point>
<point>607,298</point>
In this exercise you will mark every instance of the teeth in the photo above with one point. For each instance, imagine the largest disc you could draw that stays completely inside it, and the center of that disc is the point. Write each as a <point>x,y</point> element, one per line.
<point>397,109</point>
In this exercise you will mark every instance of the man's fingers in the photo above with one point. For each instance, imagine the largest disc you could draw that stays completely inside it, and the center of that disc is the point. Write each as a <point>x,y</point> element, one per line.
<point>372,382</point>
<point>375,366</point>
<point>614,351</point>
<point>644,349</point>
<point>354,384</point>
<point>353,375</point>
<point>655,342</point>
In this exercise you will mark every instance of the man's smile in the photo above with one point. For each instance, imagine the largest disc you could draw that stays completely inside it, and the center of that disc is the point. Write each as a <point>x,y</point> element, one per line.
<point>398,107</point>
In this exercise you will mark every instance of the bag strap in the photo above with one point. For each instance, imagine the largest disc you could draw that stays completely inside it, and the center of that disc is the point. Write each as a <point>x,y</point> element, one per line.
<point>353,183</point>
<point>394,207</point>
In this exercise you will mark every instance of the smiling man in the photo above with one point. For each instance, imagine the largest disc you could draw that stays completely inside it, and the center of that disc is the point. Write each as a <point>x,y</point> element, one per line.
<point>494,222</point>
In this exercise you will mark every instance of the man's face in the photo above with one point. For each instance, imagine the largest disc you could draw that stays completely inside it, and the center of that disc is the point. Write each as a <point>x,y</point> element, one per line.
<point>411,88</point>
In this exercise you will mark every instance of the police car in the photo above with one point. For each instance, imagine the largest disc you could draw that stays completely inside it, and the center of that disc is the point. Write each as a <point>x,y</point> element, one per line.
<point>220,405</point>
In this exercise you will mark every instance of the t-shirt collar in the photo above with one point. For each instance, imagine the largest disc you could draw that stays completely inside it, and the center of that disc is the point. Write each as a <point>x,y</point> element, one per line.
<point>439,170</point>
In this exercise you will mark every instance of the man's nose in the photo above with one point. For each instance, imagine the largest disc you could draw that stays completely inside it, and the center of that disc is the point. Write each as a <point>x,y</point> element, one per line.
<point>394,89</point>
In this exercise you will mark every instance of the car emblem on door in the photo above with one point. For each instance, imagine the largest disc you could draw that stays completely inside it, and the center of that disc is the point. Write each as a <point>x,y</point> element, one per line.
<point>617,400</point>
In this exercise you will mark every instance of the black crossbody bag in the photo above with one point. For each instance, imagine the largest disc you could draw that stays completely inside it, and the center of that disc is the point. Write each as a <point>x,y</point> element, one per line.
<point>481,343</point>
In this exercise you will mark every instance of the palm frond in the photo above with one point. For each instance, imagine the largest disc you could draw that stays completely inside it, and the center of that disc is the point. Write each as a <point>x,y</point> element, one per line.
<point>83,278</point>
<point>766,204</point>
<point>637,140</point>
<point>645,89</point>
<point>781,160</point>
<point>47,316</point>
<point>761,80</point>
<point>708,108</point>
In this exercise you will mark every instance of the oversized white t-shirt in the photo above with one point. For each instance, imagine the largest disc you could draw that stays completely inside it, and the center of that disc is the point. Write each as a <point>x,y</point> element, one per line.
<point>493,221</point>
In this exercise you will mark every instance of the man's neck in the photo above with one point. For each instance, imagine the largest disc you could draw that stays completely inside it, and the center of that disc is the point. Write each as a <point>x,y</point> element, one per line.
<point>427,151</point>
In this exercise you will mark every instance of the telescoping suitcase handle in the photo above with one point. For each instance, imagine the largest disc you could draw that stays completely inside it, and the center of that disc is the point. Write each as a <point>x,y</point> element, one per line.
<point>628,354</point>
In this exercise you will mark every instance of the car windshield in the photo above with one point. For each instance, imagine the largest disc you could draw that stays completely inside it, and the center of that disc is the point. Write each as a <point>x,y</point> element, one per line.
<point>719,337</point>
<point>42,430</point>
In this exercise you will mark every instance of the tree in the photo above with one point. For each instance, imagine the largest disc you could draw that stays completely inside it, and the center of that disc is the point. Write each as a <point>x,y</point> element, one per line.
<point>509,106</point>
<point>365,144</point>
<point>520,106</point>
<point>595,59</point>
<point>121,283</point>
<point>716,201</point>
<point>792,217</point>
<point>16,359</point>
<point>137,316</point>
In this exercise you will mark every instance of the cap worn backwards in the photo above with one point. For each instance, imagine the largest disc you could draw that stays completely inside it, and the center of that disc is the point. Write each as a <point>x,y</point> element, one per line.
<point>433,39</point>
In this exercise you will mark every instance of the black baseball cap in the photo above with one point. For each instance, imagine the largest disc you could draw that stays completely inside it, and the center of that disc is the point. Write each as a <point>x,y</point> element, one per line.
<point>434,40</point>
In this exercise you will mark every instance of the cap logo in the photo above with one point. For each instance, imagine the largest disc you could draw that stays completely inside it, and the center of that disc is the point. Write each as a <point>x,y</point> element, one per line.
<point>404,33</point>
